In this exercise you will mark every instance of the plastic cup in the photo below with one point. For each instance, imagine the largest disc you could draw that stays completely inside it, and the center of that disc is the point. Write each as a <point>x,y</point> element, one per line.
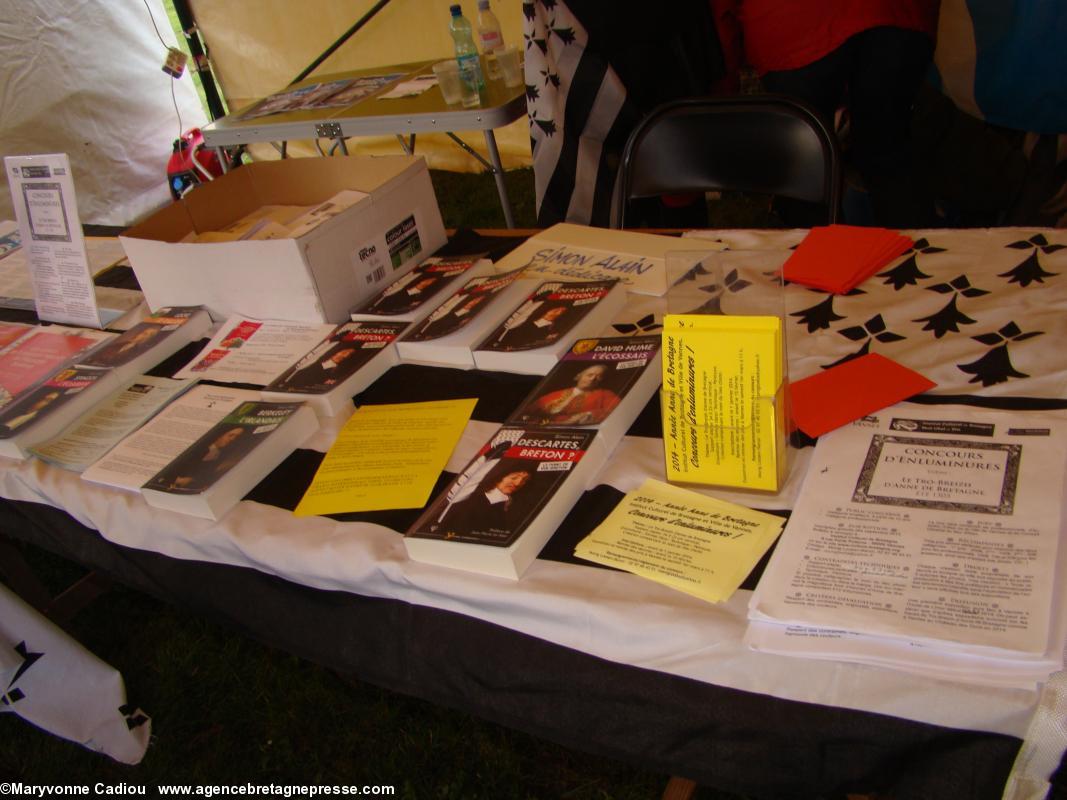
<point>468,85</point>
<point>510,65</point>
<point>448,79</point>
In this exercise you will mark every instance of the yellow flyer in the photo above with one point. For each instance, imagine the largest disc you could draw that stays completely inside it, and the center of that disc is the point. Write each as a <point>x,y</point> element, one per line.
<point>682,539</point>
<point>387,456</point>
<point>723,419</point>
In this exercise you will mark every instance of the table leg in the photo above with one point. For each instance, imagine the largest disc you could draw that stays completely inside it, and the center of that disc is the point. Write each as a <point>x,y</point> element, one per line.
<point>498,175</point>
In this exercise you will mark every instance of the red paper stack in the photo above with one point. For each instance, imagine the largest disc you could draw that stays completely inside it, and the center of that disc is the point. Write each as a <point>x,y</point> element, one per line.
<point>837,258</point>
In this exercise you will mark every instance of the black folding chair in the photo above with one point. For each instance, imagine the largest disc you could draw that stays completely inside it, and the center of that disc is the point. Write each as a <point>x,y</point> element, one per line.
<point>751,143</point>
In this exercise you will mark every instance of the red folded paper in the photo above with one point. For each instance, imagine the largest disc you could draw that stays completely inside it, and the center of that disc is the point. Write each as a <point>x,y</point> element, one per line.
<point>837,258</point>
<point>851,390</point>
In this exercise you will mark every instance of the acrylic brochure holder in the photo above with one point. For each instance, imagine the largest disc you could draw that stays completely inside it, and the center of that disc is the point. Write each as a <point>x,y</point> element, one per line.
<point>723,397</point>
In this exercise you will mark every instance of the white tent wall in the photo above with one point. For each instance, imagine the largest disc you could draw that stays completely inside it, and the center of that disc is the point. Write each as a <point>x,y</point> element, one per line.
<point>85,78</point>
<point>257,47</point>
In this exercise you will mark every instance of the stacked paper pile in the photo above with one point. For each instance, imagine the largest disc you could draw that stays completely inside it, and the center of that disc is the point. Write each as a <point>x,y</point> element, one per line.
<point>926,539</point>
<point>837,258</point>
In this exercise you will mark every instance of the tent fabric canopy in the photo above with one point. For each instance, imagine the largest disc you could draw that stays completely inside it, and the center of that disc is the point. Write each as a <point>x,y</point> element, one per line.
<point>86,79</point>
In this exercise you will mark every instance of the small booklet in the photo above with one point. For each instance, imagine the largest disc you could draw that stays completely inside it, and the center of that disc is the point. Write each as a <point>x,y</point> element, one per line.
<point>350,359</point>
<point>413,296</point>
<point>498,513</point>
<point>448,335</point>
<point>219,468</point>
<point>602,383</point>
<point>541,329</point>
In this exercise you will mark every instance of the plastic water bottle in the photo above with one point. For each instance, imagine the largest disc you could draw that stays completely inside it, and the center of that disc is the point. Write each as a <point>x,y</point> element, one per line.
<point>470,70</point>
<point>490,37</point>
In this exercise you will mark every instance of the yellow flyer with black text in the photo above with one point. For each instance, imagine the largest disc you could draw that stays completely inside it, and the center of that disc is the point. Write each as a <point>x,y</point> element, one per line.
<point>723,416</point>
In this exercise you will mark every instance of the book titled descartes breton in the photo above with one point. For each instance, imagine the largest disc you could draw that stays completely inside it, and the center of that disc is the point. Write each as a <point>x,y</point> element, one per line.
<point>346,362</point>
<point>46,409</point>
<point>601,383</point>
<point>501,509</point>
<point>218,469</point>
<point>448,335</point>
<point>413,296</point>
<point>544,326</point>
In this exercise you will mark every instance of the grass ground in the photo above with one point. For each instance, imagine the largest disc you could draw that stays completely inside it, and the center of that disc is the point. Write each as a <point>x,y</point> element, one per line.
<point>226,709</point>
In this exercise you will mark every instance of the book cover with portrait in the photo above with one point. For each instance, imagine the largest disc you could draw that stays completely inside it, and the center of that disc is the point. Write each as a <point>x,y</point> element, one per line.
<point>516,477</point>
<point>338,357</point>
<point>222,448</point>
<point>595,381</point>
<point>463,307</point>
<point>547,315</point>
<point>48,399</point>
<point>162,334</point>
<point>420,288</point>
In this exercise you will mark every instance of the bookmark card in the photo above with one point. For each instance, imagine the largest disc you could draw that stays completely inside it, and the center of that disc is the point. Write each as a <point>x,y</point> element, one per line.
<point>387,456</point>
<point>850,391</point>
<point>682,539</point>
<point>837,258</point>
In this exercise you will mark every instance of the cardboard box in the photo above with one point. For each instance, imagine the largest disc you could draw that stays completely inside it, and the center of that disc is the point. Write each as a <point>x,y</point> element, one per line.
<point>318,277</point>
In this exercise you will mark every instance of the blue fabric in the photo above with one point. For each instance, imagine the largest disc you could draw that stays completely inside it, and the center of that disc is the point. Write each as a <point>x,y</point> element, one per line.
<point>1020,75</point>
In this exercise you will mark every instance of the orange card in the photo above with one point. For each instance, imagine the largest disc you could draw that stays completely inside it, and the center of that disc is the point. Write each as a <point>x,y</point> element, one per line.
<point>849,391</point>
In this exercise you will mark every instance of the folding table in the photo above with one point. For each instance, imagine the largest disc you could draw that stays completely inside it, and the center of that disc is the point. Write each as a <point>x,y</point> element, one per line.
<point>375,116</point>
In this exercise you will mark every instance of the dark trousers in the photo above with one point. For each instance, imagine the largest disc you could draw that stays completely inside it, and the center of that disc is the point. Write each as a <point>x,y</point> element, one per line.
<point>875,75</point>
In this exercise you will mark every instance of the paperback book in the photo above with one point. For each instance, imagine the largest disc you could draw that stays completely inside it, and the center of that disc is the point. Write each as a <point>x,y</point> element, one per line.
<point>449,334</point>
<point>413,296</point>
<point>152,340</point>
<point>147,449</point>
<point>41,353</point>
<point>346,362</point>
<point>218,469</point>
<point>501,509</point>
<point>45,410</point>
<point>541,329</point>
<point>601,383</point>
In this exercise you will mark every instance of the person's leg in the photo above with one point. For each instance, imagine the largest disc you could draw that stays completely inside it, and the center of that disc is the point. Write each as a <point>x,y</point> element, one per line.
<point>820,85</point>
<point>888,66</point>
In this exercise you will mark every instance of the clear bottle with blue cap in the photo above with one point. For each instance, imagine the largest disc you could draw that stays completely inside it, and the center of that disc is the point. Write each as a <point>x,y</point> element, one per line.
<point>470,69</point>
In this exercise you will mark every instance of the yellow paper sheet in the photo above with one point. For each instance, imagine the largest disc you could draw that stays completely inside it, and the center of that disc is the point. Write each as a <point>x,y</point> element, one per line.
<point>387,456</point>
<point>696,544</point>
